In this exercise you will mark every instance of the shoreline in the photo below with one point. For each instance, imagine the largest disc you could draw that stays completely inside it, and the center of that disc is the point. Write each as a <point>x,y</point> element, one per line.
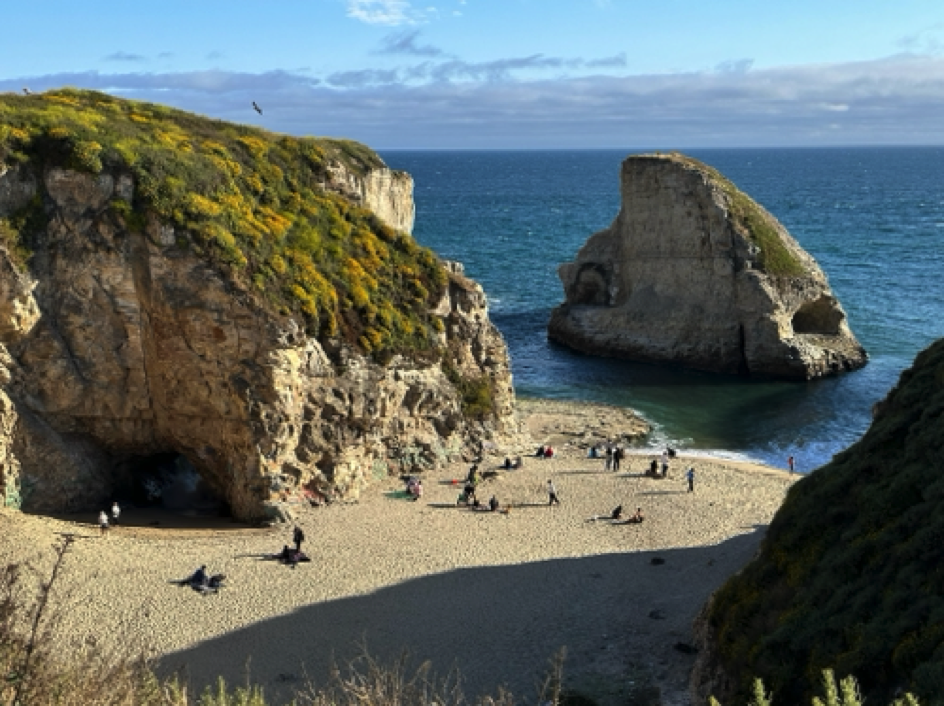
<point>494,594</point>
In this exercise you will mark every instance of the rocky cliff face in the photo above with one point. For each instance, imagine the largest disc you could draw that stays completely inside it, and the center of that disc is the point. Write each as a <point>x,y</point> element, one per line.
<point>693,272</point>
<point>120,346</point>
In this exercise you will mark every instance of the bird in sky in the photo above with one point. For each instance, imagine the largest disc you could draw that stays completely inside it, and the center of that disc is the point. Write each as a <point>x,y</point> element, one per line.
<point>257,108</point>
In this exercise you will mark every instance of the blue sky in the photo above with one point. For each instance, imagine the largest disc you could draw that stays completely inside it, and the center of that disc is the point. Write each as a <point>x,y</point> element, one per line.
<point>672,74</point>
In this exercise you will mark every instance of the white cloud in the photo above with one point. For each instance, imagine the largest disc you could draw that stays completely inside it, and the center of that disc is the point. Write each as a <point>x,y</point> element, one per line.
<point>382,12</point>
<point>897,100</point>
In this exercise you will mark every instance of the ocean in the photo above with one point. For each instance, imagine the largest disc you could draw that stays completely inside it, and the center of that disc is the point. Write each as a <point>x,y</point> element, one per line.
<point>872,217</point>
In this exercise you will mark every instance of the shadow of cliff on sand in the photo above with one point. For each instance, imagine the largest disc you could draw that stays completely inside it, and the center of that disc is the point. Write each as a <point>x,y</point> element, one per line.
<point>498,624</point>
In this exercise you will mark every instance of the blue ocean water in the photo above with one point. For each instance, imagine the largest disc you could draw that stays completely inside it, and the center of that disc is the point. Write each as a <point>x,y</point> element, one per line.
<point>872,217</point>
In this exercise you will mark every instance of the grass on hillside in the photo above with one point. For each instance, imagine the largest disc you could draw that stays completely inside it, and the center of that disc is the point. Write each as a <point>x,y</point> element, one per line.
<point>851,572</point>
<point>251,201</point>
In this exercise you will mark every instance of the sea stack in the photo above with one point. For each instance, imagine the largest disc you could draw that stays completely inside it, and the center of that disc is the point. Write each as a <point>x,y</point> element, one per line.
<point>695,273</point>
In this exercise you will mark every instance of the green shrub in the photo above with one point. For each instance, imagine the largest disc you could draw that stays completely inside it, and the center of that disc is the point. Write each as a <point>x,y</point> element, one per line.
<point>851,572</point>
<point>252,201</point>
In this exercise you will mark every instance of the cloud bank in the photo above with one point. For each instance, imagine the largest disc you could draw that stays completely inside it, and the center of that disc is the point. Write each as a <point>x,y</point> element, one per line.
<point>454,104</point>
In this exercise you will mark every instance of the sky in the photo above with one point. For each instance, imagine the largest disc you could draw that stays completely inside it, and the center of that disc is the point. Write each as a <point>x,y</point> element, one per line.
<point>508,74</point>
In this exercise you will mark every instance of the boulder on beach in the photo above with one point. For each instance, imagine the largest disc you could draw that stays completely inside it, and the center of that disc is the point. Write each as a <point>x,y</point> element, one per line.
<point>694,272</point>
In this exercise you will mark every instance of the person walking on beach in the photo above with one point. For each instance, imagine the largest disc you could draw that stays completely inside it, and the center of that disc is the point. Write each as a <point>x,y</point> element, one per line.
<point>790,463</point>
<point>552,498</point>
<point>298,537</point>
<point>690,476</point>
<point>665,464</point>
<point>608,457</point>
<point>115,513</point>
<point>617,457</point>
<point>103,523</point>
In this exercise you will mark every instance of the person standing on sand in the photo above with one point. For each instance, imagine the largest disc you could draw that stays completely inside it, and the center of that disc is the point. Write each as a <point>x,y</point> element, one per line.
<point>298,537</point>
<point>617,457</point>
<point>608,457</point>
<point>103,523</point>
<point>115,513</point>
<point>552,498</point>
<point>665,464</point>
<point>790,463</point>
<point>690,476</point>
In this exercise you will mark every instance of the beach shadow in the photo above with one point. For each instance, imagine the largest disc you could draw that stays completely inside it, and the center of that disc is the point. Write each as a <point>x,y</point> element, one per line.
<point>398,495</point>
<point>664,492</point>
<point>428,617</point>
<point>445,506</point>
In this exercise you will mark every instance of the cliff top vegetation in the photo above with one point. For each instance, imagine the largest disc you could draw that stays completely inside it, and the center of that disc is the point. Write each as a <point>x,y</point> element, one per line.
<point>773,257</point>
<point>257,204</point>
<point>851,573</point>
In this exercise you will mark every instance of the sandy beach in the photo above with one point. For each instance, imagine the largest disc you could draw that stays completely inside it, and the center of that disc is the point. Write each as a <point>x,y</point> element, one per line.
<point>495,594</point>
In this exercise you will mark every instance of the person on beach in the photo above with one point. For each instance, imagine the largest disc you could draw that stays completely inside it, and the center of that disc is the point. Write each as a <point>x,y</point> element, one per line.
<point>115,513</point>
<point>540,452</point>
<point>493,504</point>
<point>654,468</point>
<point>298,537</point>
<point>636,517</point>
<point>102,523</point>
<point>790,463</point>
<point>690,476</point>
<point>548,452</point>
<point>517,464</point>
<point>552,498</point>
<point>665,464</point>
<point>617,457</point>
<point>617,513</point>
<point>607,458</point>
<point>199,578</point>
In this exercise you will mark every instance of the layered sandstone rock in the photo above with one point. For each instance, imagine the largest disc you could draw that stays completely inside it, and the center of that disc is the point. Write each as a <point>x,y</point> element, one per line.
<point>119,346</point>
<point>695,273</point>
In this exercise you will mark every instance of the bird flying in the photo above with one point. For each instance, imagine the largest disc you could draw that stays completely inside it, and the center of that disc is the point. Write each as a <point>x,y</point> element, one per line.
<point>257,108</point>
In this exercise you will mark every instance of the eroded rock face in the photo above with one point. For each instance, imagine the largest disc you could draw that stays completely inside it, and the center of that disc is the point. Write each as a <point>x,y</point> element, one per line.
<point>681,276</point>
<point>118,346</point>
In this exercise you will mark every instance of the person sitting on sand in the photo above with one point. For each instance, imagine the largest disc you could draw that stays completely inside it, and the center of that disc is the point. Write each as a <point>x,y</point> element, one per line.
<point>636,517</point>
<point>416,490</point>
<point>517,464</point>
<point>507,465</point>
<point>493,504</point>
<point>654,468</point>
<point>540,452</point>
<point>548,452</point>
<point>617,513</point>
<point>199,578</point>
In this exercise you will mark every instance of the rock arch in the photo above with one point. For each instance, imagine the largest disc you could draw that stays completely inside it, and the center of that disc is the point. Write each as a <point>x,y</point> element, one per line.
<point>820,316</point>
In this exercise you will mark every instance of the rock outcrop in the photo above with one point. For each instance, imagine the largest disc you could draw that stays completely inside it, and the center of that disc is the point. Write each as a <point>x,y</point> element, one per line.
<point>849,575</point>
<point>126,344</point>
<point>693,272</point>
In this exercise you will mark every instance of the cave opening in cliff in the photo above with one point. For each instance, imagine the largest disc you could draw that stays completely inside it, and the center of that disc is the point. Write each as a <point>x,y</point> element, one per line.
<point>171,482</point>
<point>821,316</point>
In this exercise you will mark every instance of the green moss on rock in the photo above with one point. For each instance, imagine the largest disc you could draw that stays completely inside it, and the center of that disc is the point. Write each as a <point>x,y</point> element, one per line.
<point>774,257</point>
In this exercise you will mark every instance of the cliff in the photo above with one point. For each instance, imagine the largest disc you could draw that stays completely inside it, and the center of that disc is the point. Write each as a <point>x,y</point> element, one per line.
<point>849,575</point>
<point>181,293</point>
<point>694,272</point>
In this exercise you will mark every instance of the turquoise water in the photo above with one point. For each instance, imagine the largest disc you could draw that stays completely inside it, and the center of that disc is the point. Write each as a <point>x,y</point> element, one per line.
<point>872,217</point>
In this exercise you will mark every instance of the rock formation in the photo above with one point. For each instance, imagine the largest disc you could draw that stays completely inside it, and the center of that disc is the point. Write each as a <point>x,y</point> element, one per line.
<point>849,575</point>
<point>133,335</point>
<point>693,272</point>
